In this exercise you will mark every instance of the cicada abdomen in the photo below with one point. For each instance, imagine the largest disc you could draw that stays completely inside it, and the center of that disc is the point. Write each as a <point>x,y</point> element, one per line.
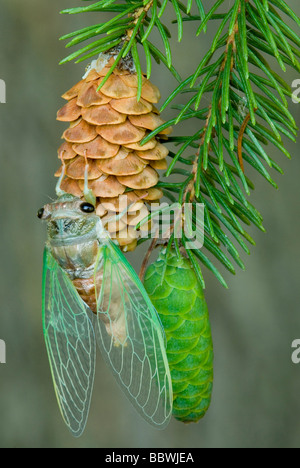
<point>175,292</point>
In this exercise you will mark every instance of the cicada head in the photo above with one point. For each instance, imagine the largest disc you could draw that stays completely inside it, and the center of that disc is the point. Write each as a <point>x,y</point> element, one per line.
<point>69,218</point>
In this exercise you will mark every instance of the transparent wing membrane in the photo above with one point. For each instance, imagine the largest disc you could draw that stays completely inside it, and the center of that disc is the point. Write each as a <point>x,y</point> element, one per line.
<point>128,331</point>
<point>70,343</point>
<point>131,338</point>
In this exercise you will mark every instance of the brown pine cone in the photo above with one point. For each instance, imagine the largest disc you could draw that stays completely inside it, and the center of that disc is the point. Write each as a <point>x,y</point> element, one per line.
<point>106,128</point>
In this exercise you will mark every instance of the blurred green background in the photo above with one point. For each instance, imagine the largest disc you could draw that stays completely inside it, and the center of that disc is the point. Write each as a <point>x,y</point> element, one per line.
<point>256,393</point>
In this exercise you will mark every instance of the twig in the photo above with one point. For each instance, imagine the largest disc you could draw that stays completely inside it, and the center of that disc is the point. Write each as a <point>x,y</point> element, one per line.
<point>240,141</point>
<point>146,258</point>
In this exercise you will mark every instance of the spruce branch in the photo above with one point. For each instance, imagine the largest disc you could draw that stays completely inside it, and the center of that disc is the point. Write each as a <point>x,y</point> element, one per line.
<point>238,100</point>
<point>241,103</point>
<point>132,25</point>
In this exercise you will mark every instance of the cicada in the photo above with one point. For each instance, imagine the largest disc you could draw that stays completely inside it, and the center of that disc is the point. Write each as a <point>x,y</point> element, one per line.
<point>91,294</point>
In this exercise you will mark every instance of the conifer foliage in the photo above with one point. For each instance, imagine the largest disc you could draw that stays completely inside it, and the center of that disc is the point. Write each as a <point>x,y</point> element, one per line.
<point>238,98</point>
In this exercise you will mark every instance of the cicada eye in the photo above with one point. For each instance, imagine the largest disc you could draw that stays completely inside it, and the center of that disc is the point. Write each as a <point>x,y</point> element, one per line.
<point>40,213</point>
<point>87,207</point>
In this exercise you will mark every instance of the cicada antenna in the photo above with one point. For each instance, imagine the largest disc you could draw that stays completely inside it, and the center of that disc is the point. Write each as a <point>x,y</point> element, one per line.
<point>87,192</point>
<point>58,190</point>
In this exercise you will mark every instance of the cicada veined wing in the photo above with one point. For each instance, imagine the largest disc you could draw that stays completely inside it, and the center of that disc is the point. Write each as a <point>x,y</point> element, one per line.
<point>128,331</point>
<point>70,343</point>
<point>131,337</point>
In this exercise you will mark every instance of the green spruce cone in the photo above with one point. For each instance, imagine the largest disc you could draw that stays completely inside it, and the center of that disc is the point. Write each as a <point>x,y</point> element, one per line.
<point>178,297</point>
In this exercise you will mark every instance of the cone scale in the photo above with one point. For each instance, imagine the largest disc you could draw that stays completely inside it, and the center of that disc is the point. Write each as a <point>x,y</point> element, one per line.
<point>105,129</point>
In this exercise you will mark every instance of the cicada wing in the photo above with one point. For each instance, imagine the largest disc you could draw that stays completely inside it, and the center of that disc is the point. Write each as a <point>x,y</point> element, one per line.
<point>70,343</point>
<point>131,338</point>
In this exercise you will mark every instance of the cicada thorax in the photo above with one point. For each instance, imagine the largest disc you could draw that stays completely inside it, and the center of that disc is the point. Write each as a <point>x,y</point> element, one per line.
<point>78,260</point>
<point>81,263</point>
